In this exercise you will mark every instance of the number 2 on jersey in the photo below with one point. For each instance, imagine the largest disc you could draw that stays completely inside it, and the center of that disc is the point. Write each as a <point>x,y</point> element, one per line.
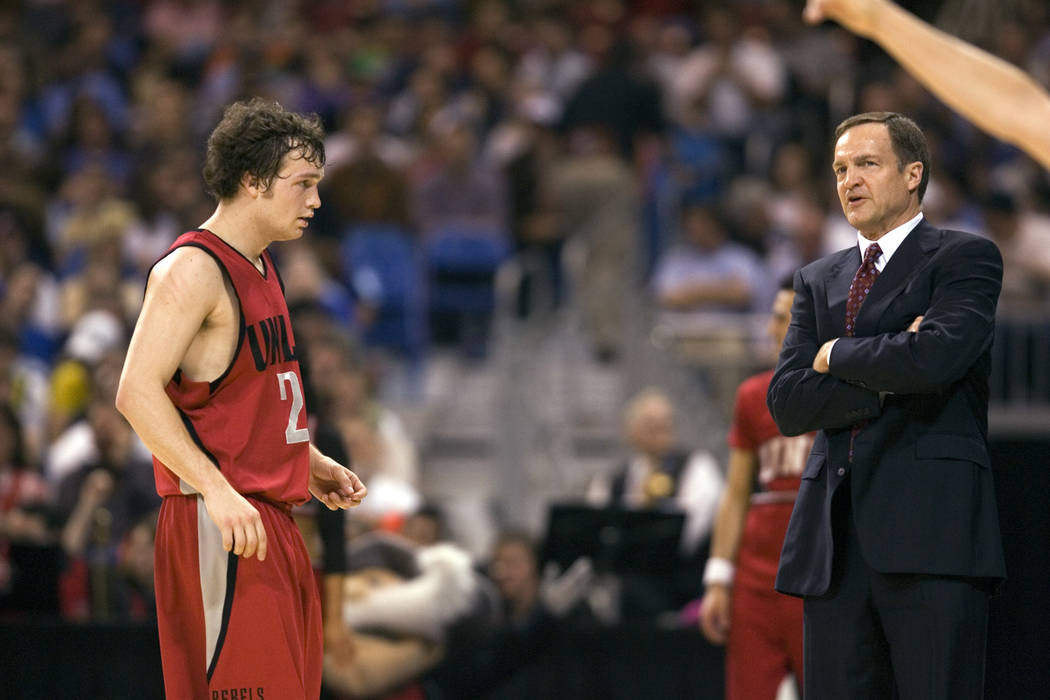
<point>293,434</point>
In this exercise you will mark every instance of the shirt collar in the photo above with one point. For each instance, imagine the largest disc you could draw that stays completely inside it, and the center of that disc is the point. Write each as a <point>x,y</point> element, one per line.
<point>889,242</point>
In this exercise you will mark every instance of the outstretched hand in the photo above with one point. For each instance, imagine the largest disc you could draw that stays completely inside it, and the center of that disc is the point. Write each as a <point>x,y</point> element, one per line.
<point>856,15</point>
<point>335,485</point>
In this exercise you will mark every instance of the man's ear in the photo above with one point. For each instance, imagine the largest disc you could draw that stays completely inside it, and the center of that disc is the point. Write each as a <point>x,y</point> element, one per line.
<point>914,173</point>
<point>252,184</point>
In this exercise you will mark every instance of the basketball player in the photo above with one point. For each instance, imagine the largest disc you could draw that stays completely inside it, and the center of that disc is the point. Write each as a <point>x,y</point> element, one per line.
<point>763,628</point>
<point>212,385</point>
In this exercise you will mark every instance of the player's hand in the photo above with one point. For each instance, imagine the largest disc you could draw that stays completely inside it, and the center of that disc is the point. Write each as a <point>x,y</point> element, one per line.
<point>714,613</point>
<point>335,485</point>
<point>914,327</point>
<point>856,15</point>
<point>238,521</point>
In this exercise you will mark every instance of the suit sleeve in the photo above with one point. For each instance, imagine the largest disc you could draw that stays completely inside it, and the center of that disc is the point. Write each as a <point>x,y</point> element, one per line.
<point>956,329</point>
<point>802,400</point>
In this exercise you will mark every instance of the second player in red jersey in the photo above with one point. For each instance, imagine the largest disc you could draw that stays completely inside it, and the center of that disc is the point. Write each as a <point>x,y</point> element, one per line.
<point>761,628</point>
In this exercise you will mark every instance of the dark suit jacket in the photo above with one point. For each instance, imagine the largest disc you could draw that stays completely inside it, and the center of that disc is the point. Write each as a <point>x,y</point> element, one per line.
<point>921,483</point>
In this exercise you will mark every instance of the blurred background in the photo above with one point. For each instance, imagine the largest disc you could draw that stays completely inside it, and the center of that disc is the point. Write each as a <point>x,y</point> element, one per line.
<point>540,219</point>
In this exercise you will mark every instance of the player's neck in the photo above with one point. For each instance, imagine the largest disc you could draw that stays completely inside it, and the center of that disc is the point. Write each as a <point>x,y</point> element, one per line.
<point>233,225</point>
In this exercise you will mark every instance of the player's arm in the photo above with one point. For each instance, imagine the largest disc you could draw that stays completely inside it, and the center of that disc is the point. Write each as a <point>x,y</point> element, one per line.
<point>184,289</point>
<point>725,544</point>
<point>992,93</point>
<point>955,330</point>
<point>801,399</point>
<point>332,483</point>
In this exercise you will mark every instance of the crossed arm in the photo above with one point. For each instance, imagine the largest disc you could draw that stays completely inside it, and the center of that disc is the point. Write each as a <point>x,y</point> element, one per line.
<point>808,393</point>
<point>956,328</point>
<point>800,398</point>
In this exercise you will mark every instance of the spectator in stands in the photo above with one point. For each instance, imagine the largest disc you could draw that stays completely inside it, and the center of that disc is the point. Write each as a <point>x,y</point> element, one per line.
<point>463,192</point>
<point>618,96</point>
<point>506,660</point>
<point>30,309</point>
<point>165,197</point>
<point>307,283</point>
<point>27,537</point>
<point>412,110</point>
<point>91,140</point>
<point>596,197</point>
<point>100,284</point>
<point>26,347</point>
<point>729,81</point>
<point>554,62</point>
<point>403,603</point>
<point>660,474</point>
<point>487,101</point>
<point>426,526</point>
<point>73,384</point>
<point>98,505</point>
<point>528,149</point>
<point>707,271</point>
<point>801,240</point>
<point>514,568</point>
<point>366,180</point>
<point>1026,253</point>
<point>791,179</point>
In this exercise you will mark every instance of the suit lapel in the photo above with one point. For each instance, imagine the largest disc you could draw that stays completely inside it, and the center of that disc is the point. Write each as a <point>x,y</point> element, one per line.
<point>905,264</point>
<point>838,281</point>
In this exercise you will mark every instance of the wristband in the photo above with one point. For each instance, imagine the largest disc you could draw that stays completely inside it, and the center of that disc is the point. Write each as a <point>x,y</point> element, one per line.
<point>718,571</point>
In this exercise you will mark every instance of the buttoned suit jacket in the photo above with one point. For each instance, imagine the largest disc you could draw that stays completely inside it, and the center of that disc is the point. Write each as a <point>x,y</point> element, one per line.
<point>920,483</point>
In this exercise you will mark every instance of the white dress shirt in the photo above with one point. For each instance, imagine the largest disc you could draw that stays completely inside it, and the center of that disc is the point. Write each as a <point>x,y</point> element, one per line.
<point>889,242</point>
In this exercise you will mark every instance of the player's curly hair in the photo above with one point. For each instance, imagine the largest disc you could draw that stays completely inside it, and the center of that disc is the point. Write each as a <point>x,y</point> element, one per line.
<point>252,138</point>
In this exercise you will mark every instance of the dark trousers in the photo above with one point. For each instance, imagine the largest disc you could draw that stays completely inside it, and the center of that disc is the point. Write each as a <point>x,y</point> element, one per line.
<point>908,636</point>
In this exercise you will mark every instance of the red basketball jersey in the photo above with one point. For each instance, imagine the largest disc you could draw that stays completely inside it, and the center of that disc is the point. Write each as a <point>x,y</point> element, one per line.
<point>251,420</point>
<point>780,463</point>
<point>780,459</point>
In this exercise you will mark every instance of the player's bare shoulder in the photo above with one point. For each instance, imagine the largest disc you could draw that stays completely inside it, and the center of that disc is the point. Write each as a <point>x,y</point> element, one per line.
<point>192,280</point>
<point>194,299</point>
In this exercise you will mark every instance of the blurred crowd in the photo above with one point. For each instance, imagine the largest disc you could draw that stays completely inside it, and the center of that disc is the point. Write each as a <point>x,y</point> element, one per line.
<point>683,145</point>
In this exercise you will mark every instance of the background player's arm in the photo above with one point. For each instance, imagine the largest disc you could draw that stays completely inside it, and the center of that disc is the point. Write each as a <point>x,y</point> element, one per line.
<point>183,291</point>
<point>725,542</point>
<point>992,93</point>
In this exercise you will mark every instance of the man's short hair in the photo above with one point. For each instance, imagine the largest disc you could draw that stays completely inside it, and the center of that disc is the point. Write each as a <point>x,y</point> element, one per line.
<point>253,138</point>
<point>909,143</point>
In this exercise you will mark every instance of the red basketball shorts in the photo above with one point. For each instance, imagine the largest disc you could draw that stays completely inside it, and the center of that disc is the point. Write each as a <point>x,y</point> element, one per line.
<point>765,634</point>
<point>233,628</point>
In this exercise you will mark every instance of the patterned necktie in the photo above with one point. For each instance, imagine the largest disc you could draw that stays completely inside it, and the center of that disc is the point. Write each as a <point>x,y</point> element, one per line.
<point>866,275</point>
<point>861,285</point>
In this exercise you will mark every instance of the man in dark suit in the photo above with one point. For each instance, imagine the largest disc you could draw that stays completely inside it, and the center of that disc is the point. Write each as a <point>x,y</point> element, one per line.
<point>894,540</point>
